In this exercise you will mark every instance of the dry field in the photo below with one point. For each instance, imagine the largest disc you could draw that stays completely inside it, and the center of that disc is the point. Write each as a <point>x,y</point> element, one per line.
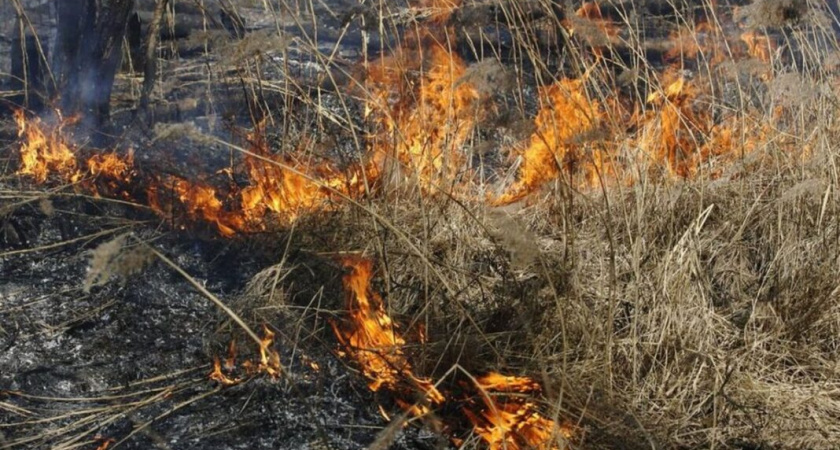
<point>514,224</point>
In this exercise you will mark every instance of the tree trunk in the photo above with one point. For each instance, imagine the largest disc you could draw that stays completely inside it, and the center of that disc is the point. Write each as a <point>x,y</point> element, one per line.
<point>150,67</point>
<point>88,53</point>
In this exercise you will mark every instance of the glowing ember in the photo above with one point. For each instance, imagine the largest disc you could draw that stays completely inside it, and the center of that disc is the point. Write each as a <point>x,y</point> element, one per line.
<point>105,442</point>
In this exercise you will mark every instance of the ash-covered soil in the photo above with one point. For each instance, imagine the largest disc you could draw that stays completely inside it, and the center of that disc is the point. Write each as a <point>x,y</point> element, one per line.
<point>129,360</point>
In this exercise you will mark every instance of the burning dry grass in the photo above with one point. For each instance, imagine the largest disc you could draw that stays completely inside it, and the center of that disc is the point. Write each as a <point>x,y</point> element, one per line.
<point>689,315</point>
<point>664,265</point>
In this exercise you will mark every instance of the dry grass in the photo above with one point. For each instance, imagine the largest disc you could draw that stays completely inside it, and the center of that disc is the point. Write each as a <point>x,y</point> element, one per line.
<point>687,313</point>
<point>670,312</point>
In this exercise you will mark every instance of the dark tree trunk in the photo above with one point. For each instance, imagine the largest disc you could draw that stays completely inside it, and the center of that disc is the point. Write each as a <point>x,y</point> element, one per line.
<point>150,66</point>
<point>88,53</point>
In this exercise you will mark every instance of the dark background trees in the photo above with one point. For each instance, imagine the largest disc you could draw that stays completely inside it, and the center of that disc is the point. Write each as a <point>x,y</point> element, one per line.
<point>88,53</point>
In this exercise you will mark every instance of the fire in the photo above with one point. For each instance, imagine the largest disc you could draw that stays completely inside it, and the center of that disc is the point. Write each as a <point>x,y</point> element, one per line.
<point>760,45</point>
<point>43,152</point>
<point>514,425</point>
<point>286,193</point>
<point>589,23</point>
<point>702,40</point>
<point>674,130</point>
<point>199,202</point>
<point>218,375</point>
<point>503,383</point>
<point>513,422</point>
<point>104,442</point>
<point>268,362</point>
<point>426,130</point>
<point>111,165</point>
<point>269,358</point>
<point>567,112</point>
<point>372,340</point>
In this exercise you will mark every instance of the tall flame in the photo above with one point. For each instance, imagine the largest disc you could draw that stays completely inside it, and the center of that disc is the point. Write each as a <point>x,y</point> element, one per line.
<point>371,339</point>
<point>567,112</point>
<point>41,152</point>
<point>427,129</point>
<point>673,131</point>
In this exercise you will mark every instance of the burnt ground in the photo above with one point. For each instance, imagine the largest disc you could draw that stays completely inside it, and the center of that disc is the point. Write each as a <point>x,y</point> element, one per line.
<point>130,360</point>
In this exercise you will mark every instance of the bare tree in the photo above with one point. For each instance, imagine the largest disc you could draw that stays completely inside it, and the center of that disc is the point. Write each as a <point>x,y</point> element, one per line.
<point>87,55</point>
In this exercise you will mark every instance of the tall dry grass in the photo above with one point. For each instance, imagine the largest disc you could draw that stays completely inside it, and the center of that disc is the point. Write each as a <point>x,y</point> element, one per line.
<point>669,312</point>
<point>665,313</point>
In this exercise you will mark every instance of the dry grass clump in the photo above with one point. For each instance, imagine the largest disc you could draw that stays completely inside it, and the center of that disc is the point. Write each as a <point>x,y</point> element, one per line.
<point>684,315</point>
<point>116,259</point>
<point>775,13</point>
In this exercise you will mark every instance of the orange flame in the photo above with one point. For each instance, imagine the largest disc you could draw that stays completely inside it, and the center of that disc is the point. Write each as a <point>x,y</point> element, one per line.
<point>673,132</point>
<point>426,130</point>
<point>567,112</point>
<point>111,165</point>
<point>760,45</point>
<point>268,362</point>
<point>372,340</point>
<point>514,422</point>
<point>269,358</point>
<point>217,375</point>
<point>285,192</point>
<point>105,442</point>
<point>41,152</point>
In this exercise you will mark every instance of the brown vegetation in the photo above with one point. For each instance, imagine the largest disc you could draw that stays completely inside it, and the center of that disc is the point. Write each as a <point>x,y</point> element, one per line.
<point>658,247</point>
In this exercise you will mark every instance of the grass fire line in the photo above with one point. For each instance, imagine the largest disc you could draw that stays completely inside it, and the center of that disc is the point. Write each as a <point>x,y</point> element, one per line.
<point>422,113</point>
